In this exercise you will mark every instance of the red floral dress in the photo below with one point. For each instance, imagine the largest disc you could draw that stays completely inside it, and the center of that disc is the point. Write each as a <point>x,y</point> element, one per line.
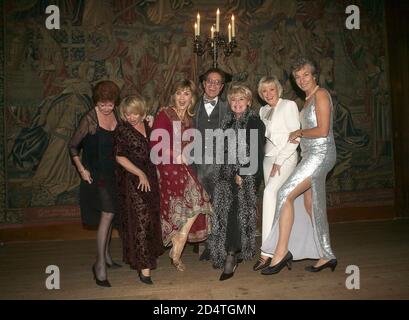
<point>181,194</point>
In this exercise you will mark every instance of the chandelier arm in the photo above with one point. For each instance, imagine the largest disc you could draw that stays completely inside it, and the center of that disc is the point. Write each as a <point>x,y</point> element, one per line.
<point>213,46</point>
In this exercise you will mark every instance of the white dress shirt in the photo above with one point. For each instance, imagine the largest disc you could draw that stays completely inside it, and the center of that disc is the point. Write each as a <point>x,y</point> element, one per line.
<point>280,122</point>
<point>209,107</point>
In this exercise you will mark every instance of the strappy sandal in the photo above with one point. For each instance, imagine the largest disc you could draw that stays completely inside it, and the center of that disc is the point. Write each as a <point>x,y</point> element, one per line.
<point>175,253</point>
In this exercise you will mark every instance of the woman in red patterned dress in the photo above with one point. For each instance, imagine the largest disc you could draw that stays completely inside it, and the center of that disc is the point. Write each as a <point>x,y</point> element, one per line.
<point>184,203</point>
<point>138,189</point>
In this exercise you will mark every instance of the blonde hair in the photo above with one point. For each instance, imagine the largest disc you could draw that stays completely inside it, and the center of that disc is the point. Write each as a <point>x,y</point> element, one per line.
<point>264,81</point>
<point>183,85</point>
<point>239,89</point>
<point>134,104</point>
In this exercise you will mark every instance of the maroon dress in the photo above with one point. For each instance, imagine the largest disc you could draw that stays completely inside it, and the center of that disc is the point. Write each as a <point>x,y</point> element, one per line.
<point>139,211</point>
<point>181,194</point>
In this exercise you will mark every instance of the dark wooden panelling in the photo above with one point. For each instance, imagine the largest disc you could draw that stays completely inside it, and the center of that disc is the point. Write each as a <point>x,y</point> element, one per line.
<point>397,13</point>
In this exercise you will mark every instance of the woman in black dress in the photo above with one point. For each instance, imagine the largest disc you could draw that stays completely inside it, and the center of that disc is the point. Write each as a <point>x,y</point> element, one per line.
<point>138,189</point>
<point>98,195</point>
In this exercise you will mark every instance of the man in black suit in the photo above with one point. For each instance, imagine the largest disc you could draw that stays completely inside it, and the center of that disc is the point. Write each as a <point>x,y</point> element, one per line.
<point>209,113</point>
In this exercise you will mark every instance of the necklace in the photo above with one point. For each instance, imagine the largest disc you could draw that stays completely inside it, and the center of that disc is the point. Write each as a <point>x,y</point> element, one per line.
<point>180,113</point>
<point>312,93</point>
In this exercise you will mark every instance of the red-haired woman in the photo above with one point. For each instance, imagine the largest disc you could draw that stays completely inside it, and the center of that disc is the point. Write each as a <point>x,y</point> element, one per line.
<point>98,194</point>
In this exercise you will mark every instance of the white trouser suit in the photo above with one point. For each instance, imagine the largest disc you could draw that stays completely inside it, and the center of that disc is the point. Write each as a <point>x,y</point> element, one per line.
<point>279,121</point>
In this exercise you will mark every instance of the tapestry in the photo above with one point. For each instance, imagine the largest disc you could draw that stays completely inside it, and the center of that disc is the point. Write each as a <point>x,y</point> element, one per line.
<point>145,46</point>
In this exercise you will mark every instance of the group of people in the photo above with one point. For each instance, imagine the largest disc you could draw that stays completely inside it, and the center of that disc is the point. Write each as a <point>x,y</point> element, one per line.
<point>198,198</point>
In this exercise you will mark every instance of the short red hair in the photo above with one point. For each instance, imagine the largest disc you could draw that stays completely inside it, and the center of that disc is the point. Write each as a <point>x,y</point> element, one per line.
<point>106,91</point>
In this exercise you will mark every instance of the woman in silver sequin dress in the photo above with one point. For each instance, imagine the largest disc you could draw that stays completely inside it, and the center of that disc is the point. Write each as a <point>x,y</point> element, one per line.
<point>318,158</point>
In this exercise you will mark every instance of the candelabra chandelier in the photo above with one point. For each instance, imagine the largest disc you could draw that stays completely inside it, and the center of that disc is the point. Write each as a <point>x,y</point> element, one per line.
<point>217,42</point>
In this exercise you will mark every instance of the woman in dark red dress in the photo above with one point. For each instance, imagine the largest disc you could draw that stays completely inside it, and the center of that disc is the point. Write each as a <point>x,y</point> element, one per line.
<point>183,201</point>
<point>138,189</point>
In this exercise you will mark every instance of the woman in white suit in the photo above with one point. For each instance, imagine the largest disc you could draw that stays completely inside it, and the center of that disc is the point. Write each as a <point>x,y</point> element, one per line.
<point>281,117</point>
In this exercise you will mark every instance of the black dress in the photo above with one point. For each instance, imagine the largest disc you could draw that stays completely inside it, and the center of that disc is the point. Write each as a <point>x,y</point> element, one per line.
<point>98,158</point>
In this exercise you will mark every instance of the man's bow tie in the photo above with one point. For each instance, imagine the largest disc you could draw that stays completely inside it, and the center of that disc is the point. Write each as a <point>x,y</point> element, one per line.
<point>212,102</point>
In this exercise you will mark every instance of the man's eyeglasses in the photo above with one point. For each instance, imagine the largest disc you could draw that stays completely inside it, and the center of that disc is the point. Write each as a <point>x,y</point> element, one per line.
<point>213,82</point>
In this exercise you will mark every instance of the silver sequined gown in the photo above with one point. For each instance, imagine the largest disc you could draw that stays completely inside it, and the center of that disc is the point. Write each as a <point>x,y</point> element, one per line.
<point>308,239</point>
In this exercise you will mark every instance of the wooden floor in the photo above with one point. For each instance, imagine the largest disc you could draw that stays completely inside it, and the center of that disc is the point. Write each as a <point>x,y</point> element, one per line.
<point>380,249</point>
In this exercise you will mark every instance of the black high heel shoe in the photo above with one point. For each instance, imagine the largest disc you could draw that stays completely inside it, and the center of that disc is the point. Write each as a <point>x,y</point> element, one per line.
<point>332,264</point>
<point>228,275</point>
<point>286,261</point>
<point>225,276</point>
<point>205,256</point>
<point>145,279</point>
<point>262,264</point>
<point>114,265</point>
<point>102,283</point>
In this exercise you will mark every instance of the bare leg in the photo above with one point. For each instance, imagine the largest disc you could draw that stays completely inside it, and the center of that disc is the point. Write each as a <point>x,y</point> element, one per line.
<point>286,221</point>
<point>179,242</point>
<point>181,237</point>
<point>102,237</point>
<point>308,202</point>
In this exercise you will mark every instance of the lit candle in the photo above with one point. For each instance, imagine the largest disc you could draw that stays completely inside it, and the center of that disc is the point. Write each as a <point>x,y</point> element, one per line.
<point>196,34</point>
<point>233,29</point>
<point>229,32</point>
<point>218,20</point>
<point>198,24</point>
<point>212,32</point>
